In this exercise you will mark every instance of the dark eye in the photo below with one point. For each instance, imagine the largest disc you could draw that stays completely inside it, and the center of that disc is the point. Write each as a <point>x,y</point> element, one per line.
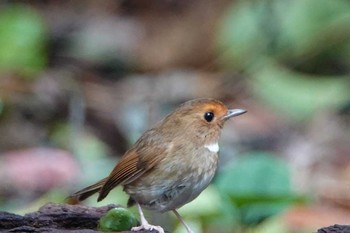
<point>209,116</point>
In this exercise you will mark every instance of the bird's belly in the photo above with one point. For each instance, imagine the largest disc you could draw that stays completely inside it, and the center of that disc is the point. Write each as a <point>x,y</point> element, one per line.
<point>178,187</point>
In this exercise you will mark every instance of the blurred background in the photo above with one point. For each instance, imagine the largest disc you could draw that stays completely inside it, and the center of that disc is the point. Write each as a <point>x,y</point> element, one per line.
<point>81,80</point>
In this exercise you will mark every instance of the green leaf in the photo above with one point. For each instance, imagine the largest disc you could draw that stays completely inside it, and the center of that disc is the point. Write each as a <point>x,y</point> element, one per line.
<point>117,219</point>
<point>22,41</point>
<point>256,175</point>
<point>258,185</point>
<point>305,94</point>
<point>311,35</point>
<point>313,25</point>
<point>239,37</point>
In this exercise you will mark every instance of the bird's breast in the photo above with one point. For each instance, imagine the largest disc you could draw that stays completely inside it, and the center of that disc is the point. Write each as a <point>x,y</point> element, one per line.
<point>178,179</point>
<point>204,170</point>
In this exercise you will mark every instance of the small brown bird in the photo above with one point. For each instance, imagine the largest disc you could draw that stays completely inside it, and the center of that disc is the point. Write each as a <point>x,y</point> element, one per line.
<point>171,163</point>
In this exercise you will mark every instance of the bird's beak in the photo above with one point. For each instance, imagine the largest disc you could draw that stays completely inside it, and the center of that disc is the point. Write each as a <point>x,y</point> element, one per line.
<point>234,112</point>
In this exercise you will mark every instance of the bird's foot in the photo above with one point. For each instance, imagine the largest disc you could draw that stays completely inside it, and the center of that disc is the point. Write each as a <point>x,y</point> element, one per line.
<point>148,227</point>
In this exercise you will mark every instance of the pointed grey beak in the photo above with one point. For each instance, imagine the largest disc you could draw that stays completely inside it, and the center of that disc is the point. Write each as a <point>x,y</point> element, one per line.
<point>234,112</point>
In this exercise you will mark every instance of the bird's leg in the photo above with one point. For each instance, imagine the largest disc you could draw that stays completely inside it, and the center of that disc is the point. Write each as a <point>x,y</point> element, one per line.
<point>183,222</point>
<point>144,223</point>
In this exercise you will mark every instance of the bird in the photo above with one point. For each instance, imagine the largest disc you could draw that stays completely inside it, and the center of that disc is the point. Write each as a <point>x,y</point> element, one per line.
<point>171,163</point>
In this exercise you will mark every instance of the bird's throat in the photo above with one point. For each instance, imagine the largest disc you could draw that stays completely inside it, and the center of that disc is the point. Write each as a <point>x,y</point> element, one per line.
<point>213,147</point>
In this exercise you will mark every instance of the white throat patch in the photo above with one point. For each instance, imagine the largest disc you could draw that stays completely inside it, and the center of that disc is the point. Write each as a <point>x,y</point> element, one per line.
<point>213,147</point>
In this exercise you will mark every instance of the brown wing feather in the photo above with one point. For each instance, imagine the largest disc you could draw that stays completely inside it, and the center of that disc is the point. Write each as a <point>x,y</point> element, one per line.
<point>144,156</point>
<point>86,192</point>
<point>124,169</point>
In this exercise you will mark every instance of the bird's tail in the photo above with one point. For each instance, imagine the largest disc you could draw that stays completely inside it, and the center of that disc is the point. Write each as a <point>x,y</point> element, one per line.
<point>81,195</point>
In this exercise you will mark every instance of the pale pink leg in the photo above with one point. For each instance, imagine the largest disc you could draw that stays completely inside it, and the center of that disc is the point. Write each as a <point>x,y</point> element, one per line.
<point>144,224</point>
<point>183,222</point>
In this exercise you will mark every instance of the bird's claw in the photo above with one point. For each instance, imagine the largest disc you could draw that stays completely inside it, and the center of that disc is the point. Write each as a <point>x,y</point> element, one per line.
<point>148,227</point>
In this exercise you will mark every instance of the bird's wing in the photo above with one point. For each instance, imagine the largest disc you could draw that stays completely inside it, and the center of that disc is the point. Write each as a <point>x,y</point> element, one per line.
<point>143,157</point>
<point>85,193</point>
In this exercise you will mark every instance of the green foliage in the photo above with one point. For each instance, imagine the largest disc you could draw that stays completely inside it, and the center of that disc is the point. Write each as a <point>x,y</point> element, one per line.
<point>296,52</point>
<point>22,41</point>
<point>315,26</point>
<point>240,38</point>
<point>313,31</point>
<point>117,219</point>
<point>258,185</point>
<point>299,95</point>
<point>89,150</point>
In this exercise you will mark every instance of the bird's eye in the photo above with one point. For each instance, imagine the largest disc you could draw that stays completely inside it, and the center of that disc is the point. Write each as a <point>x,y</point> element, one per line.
<point>208,116</point>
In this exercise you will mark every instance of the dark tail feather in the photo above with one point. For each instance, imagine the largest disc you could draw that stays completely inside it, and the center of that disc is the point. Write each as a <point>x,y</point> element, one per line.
<point>81,195</point>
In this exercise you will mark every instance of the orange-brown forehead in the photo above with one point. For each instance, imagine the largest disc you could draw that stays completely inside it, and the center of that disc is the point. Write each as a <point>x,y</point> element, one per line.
<point>216,108</point>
